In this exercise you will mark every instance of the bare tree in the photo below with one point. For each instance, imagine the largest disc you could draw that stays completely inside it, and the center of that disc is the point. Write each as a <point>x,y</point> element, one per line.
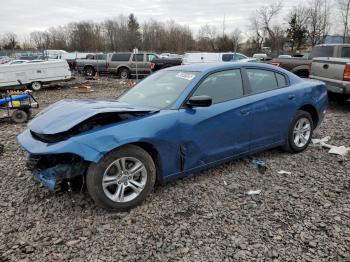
<point>318,23</point>
<point>257,39</point>
<point>206,38</point>
<point>344,9</point>
<point>10,41</point>
<point>264,19</point>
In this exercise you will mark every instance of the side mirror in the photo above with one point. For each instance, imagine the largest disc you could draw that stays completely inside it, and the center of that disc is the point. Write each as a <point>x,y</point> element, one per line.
<point>200,101</point>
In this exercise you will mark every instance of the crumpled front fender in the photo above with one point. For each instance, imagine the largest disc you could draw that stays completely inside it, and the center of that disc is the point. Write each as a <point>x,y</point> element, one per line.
<point>36,147</point>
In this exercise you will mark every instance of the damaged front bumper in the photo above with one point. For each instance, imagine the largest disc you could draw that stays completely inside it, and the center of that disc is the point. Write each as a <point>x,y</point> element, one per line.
<point>50,169</point>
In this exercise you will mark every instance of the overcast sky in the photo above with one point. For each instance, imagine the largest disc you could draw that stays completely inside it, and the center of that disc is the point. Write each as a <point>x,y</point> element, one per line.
<point>25,16</point>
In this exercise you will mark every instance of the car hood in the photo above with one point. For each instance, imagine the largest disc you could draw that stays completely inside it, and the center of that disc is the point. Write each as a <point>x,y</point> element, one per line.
<point>66,114</point>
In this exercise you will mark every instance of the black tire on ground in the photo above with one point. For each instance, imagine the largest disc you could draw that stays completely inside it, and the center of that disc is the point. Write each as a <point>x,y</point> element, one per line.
<point>95,173</point>
<point>36,86</point>
<point>290,145</point>
<point>124,73</point>
<point>19,116</point>
<point>89,71</point>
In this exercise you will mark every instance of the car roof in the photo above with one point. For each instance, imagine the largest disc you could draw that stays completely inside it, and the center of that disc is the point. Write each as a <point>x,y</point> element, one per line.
<point>207,67</point>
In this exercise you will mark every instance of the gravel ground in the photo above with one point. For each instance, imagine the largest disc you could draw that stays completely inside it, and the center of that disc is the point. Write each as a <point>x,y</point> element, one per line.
<point>304,216</point>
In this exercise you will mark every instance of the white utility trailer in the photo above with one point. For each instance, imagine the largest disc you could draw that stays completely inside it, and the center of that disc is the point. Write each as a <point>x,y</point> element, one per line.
<point>33,75</point>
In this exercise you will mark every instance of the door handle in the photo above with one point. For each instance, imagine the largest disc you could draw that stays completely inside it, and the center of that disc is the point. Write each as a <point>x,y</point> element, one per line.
<point>244,112</point>
<point>291,97</point>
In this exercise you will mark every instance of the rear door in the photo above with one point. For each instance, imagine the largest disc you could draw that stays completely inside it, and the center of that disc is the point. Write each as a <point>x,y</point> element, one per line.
<point>272,106</point>
<point>138,64</point>
<point>222,130</point>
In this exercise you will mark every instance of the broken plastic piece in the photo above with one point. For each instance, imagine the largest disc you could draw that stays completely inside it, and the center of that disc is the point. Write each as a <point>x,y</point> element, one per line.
<point>254,192</point>
<point>282,172</point>
<point>336,150</point>
<point>341,150</point>
<point>261,165</point>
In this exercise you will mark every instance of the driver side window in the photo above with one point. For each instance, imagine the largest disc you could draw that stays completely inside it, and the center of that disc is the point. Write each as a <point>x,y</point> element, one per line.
<point>222,86</point>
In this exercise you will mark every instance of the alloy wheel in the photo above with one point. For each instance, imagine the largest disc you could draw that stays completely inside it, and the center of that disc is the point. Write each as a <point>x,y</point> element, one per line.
<point>124,179</point>
<point>302,132</point>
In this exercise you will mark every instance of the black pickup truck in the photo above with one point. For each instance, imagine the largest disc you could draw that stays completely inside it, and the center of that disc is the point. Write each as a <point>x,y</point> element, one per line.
<point>160,63</point>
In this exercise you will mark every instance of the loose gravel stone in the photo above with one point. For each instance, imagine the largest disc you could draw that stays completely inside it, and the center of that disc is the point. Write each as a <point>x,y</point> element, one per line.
<point>304,216</point>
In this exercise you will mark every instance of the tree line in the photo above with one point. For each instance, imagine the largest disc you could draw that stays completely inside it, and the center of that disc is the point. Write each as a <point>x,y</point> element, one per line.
<point>305,25</point>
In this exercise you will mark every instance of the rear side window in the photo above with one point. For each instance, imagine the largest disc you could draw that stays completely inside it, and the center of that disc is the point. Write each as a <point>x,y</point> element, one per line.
<point>322,51</point>
<point>227,57</point>
<point>222,86</point>
<point>137,58</point>
<point>262,80</point>
<point>101,57</point>
<point>345,52</point>
<point>121,57</point>
<point>281,80</point>
<point>150,57</point>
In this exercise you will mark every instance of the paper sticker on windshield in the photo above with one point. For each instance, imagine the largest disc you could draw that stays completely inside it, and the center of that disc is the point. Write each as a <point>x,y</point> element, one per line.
<point>187,76</point>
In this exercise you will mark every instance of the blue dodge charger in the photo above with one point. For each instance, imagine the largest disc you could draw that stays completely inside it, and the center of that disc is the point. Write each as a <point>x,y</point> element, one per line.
<point>175,122</point>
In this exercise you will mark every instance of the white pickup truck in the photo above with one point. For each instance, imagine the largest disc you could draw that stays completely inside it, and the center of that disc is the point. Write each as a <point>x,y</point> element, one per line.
<point>334,72</point>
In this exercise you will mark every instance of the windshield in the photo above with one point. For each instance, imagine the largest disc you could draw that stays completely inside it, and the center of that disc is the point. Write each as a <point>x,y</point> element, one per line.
<point>159,90</point>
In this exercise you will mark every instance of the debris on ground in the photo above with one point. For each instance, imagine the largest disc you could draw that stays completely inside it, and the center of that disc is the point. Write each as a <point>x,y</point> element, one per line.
<point>335,150</point>
<point>261,165</point>
<point>283,172</point>
<point>84,89</point>
<point>254,192</point>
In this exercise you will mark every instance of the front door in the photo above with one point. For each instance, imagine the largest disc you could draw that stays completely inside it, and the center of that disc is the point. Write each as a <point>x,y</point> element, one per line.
<point>220,131</point>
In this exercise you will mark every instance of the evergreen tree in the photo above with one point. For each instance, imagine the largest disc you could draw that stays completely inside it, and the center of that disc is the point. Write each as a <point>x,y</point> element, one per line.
<point>296,33</point>
<point>134,35</point>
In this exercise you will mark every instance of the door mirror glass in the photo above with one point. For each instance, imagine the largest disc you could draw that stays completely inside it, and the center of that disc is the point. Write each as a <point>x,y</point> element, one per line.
<point>200,101</point>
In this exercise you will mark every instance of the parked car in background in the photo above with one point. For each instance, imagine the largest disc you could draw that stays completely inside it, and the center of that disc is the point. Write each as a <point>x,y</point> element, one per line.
<point>128,64</point>
<point>170,55</point>
<point>301,66</point>
<point>33,75</point>
<point>16,62</point>
<point>161,63</point>
<point>195,58</point>
<point>4,59</point>
<point>284,56</point>
<point>177,121</point>
<point>335,72</point>
<point>262,57</point>
<point>92,63</point>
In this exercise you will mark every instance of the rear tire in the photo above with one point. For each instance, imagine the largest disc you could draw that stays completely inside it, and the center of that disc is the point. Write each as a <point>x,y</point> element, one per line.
<point>36,86</point>
<point>124,74</point>
<point>113,184</point>
<point>300,133</point>
<point>89,71</point>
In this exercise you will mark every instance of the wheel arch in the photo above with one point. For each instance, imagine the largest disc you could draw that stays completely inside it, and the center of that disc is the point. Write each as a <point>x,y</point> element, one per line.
<point>312,111</point>
<point>153,152</point>
<point>122,67</point>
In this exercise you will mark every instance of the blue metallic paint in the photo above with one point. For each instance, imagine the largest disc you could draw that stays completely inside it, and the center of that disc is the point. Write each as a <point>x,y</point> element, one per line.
<point>202,136</point>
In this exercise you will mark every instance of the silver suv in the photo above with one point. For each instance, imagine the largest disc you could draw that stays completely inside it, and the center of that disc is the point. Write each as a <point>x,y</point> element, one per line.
<point>128,64</point>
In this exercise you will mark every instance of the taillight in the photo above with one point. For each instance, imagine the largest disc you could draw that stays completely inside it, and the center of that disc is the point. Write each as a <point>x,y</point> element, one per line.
<point>346,75</point>
<point>107,65</point>
<point>152,65</point>
<point>310,68</point>
<point>275,64</point>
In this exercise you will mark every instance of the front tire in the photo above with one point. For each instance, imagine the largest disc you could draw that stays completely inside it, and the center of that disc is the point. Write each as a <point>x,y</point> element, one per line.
<point>122,179</point>
<point>300,132</point>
